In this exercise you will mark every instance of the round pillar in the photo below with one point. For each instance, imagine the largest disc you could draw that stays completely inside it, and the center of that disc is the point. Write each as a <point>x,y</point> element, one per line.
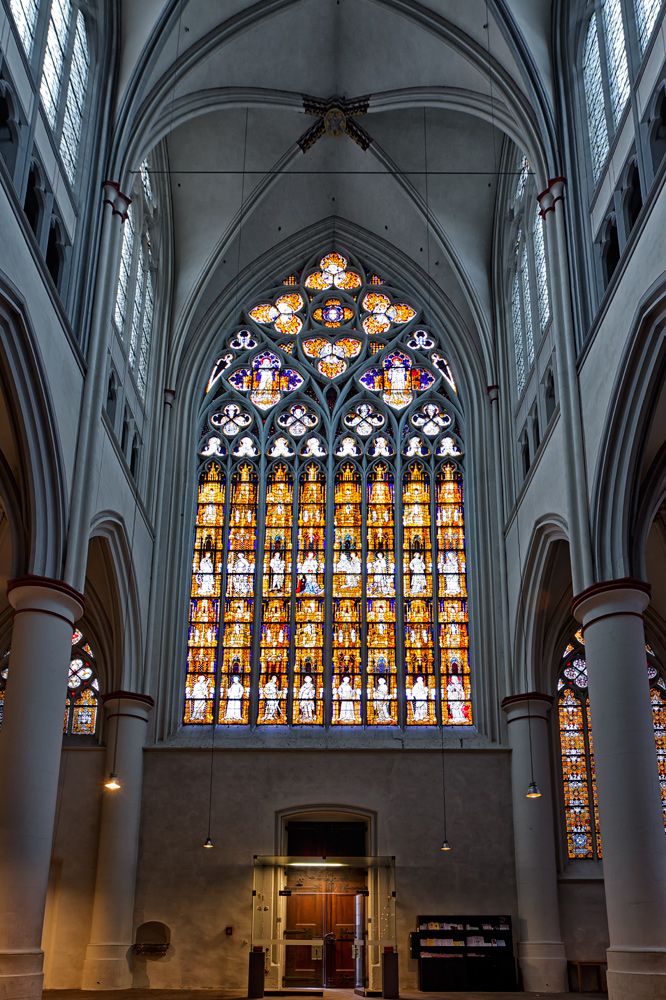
<point>108,964</point>
<point>630,815</point>
<point>540,949</point>
<point>30,750</point>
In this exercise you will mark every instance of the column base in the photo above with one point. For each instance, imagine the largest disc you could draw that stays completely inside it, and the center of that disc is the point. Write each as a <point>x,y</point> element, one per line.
<point>107,967</point>
<point>636,975</point>
<point>21,975</point>
<point>544,966</point>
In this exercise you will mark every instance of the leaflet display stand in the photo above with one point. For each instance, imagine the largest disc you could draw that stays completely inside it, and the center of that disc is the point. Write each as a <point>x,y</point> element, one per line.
<point>464,952</point>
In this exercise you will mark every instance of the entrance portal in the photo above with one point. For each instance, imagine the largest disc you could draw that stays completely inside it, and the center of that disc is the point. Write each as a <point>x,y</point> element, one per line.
<point>326,911</point>
<point>323,921</point>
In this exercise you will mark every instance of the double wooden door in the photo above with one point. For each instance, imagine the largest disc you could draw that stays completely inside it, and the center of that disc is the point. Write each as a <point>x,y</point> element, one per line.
<point>332,921</point>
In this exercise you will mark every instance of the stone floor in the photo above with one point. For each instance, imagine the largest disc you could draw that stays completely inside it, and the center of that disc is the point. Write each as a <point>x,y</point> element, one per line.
<point>141,994</point>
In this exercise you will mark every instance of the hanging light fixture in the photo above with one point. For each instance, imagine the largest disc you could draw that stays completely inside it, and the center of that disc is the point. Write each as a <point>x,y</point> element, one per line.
<point>533,789</point>
<point>112,781</point>
<point>445,843</point>
<point>208,841</point>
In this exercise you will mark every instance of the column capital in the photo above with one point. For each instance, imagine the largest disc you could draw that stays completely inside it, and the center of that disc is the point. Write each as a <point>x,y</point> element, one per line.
<point>114,197</point>
<point>625,596</point>
<point>530,705</point>
<point>553,193</point>
<point>42,594</point>
<point>127,703</point>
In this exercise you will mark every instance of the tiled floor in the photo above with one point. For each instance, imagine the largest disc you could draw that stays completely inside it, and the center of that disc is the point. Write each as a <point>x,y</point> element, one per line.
<point>328,995</point>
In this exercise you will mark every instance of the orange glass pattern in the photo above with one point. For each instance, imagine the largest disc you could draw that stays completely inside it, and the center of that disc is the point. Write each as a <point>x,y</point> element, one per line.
<point>382,681</point>
<point>347,681</point>
<point>235,668</point>
<point>333,273</point>
<point>85,714</point>
<point>276,603</point>
<point>593,778</point>
<point>452,599</point>
<point>282,315</point>
<point>421,689</point>
<point>382,313</point>
<point>658,699</point>
<point>205,598</point>
<point>308,683</point>
<point>332,313</point>
<point>575,776</point>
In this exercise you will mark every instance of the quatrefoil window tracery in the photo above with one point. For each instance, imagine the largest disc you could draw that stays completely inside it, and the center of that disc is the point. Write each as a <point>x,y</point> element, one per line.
<point>332,358</point>
<point>333,273</point>
<point>364,419</point>
<point>282,315</point>
<point>431,420</point>
<point>231,420</point>
<point>298,420</point>
<point>332,313</point>
<point>382,314</point>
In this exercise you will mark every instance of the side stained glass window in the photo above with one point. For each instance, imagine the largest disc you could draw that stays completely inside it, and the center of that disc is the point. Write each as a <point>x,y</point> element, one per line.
<point>616,57</point>
<point>125,271</point>
<point>82,700</point>
<point>341,600</point>
<point>205,591</point>
<point>581,807</point>
<point>541,271</point>
<point>76,94</point>
<point>54,59</point>
<point>25,14</point>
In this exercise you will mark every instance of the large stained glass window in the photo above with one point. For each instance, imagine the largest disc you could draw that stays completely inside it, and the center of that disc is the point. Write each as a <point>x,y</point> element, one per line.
<point>328,584</point>
<point>82,701</point>
<point>647,12</point>
<point>581,808</point>
<point>25,14</point>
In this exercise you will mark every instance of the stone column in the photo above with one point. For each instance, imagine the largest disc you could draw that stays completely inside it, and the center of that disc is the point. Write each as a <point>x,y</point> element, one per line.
<point>115,206</point>
<point>540,948</point>
<point>30,748</point>
<point>108,964</point>
<point>630,816</point>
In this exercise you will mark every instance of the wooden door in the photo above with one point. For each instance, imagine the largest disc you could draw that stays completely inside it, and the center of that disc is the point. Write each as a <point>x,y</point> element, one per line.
<point>304,963</point>
<point>339,952</point>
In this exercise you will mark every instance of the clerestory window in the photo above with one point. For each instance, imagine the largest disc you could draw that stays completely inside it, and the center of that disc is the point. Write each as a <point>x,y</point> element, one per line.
<point>605,78</point>
<point>328,579</point>
<point>62,66</point>
<point>135,291</point>
<point>530,300</point>
<point>577,747</point>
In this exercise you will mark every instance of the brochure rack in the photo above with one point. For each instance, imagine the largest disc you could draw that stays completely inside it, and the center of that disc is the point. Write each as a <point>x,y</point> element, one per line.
<point>464,952</point>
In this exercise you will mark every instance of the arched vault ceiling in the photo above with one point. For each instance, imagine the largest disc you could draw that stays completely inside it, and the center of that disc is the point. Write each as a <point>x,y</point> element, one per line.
<point>225,84</point>
<point>344,46</point>
<point>341,180</point>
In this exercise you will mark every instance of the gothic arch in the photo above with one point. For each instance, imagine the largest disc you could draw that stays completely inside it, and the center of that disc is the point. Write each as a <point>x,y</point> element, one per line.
<point>36,504</point>
<point>547,547</point>
<point>113,570</point>
<point>625,493</point>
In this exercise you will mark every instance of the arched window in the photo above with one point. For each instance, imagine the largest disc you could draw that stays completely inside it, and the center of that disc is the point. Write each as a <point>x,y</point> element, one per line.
<point>65,79</point>
<point>577,748</point>
<point>530,301</point>
<point>82,700</point>
<point>328,580</point>
<point>25,13</point>
<point>647,12</point>
<point>606,75</point>
<point>135,296</point>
